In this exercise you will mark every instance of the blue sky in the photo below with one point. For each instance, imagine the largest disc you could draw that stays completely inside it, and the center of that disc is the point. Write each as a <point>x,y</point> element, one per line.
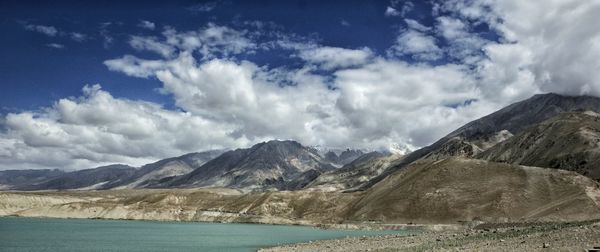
<point>92,83</point>
<point>61,72</point>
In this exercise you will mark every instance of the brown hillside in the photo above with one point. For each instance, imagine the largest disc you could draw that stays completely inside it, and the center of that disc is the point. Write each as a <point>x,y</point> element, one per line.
<point>569,141</point>
<point>458,189</point>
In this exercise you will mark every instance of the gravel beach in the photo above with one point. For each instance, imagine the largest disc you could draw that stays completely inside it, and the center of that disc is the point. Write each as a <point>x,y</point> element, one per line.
<point>491,237</point>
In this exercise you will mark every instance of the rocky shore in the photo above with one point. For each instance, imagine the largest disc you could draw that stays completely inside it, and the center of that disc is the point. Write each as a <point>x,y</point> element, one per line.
<point>576,236</point>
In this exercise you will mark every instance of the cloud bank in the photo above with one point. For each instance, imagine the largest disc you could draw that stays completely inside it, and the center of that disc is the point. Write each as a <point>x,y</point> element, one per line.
<point>431,80</point>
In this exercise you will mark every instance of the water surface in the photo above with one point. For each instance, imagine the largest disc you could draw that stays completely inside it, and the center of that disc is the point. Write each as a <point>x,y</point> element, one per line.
<point>44,234</point>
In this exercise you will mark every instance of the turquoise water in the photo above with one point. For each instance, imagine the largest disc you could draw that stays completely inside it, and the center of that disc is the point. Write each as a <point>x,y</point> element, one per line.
<point>42,234</point>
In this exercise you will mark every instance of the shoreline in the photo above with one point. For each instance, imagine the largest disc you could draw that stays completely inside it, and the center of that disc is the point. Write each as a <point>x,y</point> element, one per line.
<point>341,226</point>
<point>540,236</point>
<point>224,206</point>
<point>574,236</point>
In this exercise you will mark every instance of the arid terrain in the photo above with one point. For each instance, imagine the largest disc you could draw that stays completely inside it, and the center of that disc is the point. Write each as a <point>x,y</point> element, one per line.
<point>449,191</point>
<point>427,195</point>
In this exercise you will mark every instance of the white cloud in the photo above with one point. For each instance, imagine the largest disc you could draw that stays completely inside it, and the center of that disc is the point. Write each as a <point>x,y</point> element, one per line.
<point>46,30</point>
<point>98,128</point>
<point>151,44</point>
<point>451,28</point>
<point>361,99</point>
<point>334,57</point>
<point>134,66</point>
<point>415,25</point>
<point>399,8</point>
<point>555,45</point>
<point>381,103</point>
<point>562,40</point>
<point>416,44</point>
<point>393,102</point>
<point>378,102</point>
<point>463,44</point>
<point>147,25</point>
<point>504,75</point>
<point>211,41</point>
<point>255,99</point>
<point>391,12</point>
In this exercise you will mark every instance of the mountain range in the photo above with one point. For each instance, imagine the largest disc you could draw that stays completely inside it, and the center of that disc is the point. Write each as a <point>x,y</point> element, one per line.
<point>549,130</point>
<point>272,165</point>
<point>535,160</point>
<point>269,165</point>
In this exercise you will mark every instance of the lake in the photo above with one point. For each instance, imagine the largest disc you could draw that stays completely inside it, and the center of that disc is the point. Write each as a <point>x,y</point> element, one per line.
<point>44,234</point>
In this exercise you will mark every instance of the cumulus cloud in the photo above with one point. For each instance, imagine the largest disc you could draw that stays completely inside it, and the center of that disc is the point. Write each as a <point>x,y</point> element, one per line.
<point>151,44</point>
<point>416,44</point>
<point>462,43</point>
<point>339,97</point>
<point>98,128</point>
<point>368,101</point>
<point>395,102</point>
<point>256,99</point>
<point>134,66</point>
<point>370,97</point>
<point>561,40</point>
<point>555,44</point>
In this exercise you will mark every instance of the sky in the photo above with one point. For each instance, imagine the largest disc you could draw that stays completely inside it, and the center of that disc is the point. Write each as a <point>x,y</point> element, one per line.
<point>85,83</point>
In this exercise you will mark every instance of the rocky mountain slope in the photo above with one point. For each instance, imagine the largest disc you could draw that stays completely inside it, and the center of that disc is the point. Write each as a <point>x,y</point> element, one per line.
<point>344,157</point>
<point>274,165</point>
<point>268,165</point>
<point>12,179</point>
<point>458,189</point>
<point>105,177</point>
<point>481,134</point>
<point>88,179</point>
<point>569,141</point>
<point>356,173</point>
<point>451,191</point>
<point>151,174</point>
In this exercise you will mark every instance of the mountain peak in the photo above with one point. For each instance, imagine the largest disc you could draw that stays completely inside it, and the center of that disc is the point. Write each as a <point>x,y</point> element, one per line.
<point>267,165</point>
<point>280,143</point>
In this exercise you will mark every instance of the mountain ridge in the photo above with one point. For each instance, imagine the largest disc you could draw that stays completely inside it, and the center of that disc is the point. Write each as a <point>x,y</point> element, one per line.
<point>271,163</point>
<point>513,118</point>
<point>568,141</point>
